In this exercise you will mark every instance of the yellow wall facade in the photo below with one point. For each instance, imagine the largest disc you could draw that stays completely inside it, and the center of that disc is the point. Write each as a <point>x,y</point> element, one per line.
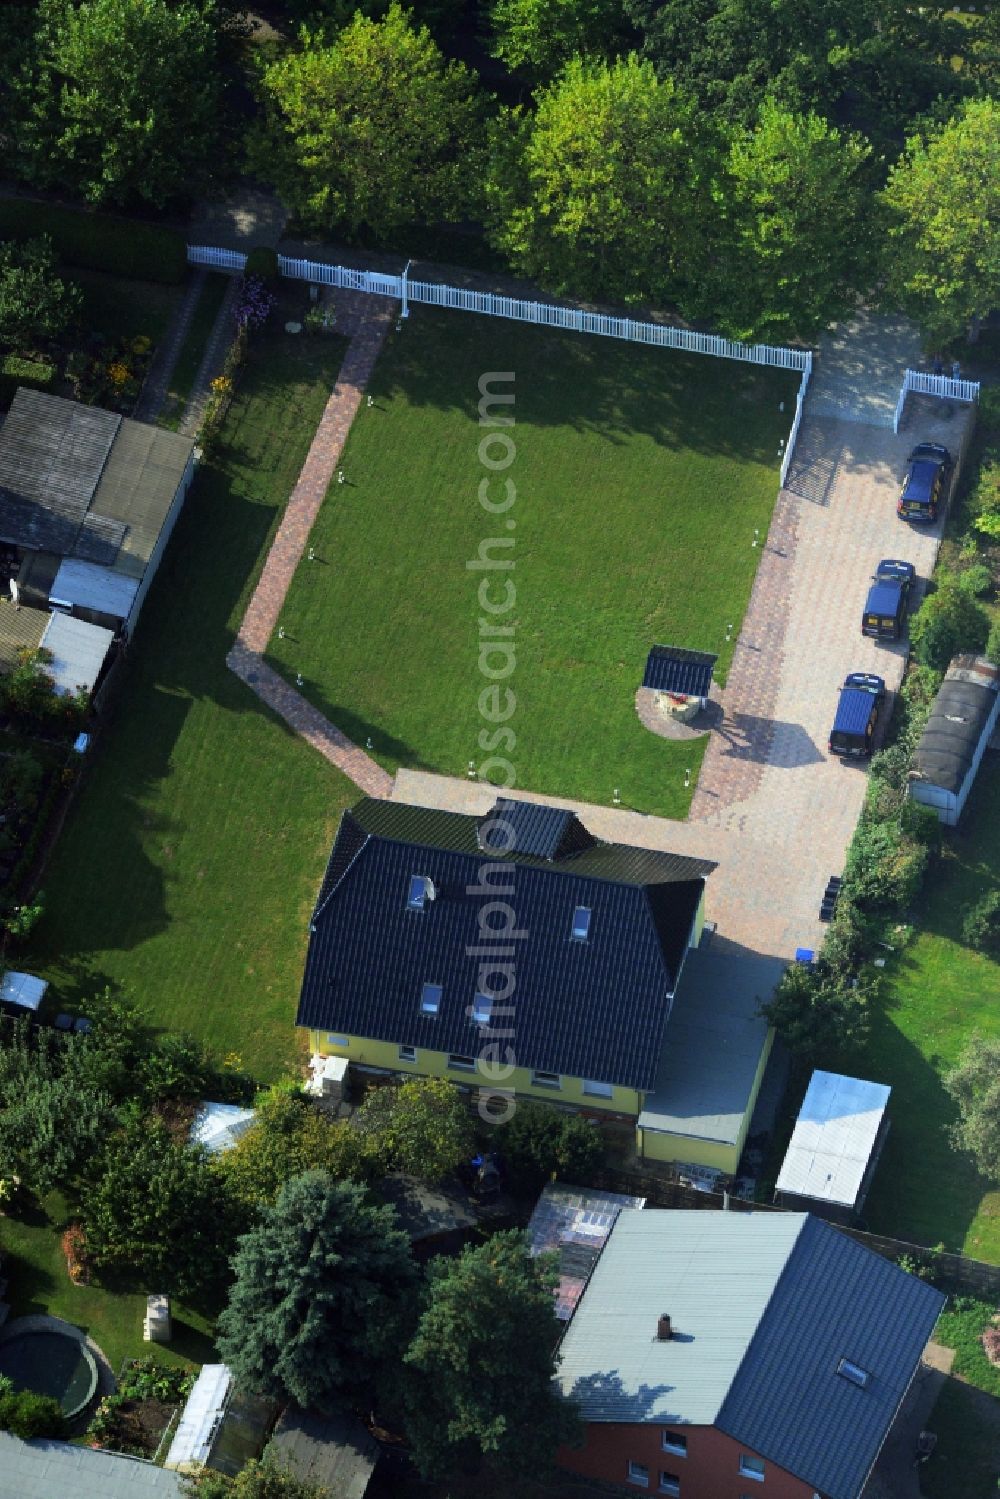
<point>385,1054</point>
<point>656,1146</point>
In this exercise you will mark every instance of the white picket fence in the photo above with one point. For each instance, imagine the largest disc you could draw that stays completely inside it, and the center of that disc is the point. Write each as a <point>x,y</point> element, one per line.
<point>490,304</point>
<point>786,462</point>
<point>933,385</point>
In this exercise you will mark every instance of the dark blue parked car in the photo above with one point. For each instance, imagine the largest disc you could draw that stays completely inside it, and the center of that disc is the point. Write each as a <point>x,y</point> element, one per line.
<point>926,484</point>
<point>861,700</point>
<point>888,600</point>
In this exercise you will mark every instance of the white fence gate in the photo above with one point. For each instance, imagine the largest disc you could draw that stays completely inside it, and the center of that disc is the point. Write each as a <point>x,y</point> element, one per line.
<point>933,385</point>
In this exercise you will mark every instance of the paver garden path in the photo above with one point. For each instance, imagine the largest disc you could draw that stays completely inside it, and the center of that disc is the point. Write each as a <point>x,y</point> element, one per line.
<point>366,321</point>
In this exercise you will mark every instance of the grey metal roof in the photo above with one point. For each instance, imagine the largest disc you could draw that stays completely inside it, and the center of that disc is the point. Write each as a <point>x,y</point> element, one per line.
<point>833,1138</point>
<point>336,1451</point>
<point>670,668</point>
<point>712,1273</point>
<point>835,1300</point>
<point>590,1009</point>
<point>79,650</point>
<point>143,473</point>
<point>52,453</point>
<point>763,1306</point>
<point>43,1469</point>
<point>714,1044</point>
<point>88,586</point>
<point>966,700</point>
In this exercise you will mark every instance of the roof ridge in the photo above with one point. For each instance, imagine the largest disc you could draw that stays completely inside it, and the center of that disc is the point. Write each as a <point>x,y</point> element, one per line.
<point>327,894</point>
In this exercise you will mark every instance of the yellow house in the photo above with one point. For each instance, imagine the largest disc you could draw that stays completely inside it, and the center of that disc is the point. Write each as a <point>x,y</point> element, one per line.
<point>514,954</point>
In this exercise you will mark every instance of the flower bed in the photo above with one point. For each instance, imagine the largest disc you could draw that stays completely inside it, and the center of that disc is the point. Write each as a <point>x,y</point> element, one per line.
<point>134,1418</point>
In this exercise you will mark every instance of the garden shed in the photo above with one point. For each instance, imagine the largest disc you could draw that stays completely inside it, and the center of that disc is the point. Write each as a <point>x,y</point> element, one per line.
<point>218,1126</point>
<point>684,673</point>
<point>79,651</point>
<point>22,989</point>
<point>334,1452</point>
<point>835,1147</point>
<point>951,748</point>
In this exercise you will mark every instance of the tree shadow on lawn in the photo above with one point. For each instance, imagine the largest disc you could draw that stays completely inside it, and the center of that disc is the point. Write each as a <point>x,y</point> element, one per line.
<point>613,389</point>
<point>384,747</point>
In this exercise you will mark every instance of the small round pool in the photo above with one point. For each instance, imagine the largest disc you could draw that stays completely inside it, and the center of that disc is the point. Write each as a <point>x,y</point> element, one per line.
<point>51,1363</point>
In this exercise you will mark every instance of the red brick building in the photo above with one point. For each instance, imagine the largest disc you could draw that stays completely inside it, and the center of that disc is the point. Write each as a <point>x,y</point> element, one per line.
<point>740,1356</point>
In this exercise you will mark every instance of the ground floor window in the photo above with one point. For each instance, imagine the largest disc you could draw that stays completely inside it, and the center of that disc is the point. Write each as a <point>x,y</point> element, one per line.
<point>638,1473</point>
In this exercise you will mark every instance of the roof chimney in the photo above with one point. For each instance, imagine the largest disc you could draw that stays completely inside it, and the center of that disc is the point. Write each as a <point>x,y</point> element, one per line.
<point>663,1329</point>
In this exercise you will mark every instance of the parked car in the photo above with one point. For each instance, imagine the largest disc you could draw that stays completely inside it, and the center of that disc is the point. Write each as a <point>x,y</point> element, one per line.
<point>926,483</point>
<point>861,700</point>
<point>888,600</point>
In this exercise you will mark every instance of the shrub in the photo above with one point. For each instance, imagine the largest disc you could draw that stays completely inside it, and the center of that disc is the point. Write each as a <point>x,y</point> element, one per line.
<point>884,869</point>
<point>31,373</point>
<point>981,928</point>
<point>947,622</point>
<point>818,1010</point>
<point>993,642</point>
<point>99,242</point>
<point>976,581</point>
<point>262,262</point>
<point>25,1414</point>
<point>176,1066</point>
<point>540,1142</point>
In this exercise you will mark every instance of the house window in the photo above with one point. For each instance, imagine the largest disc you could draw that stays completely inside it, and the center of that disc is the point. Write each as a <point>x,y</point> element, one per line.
<point>751,1467</point>
<point>597,1090</point>
<point>581,924</point>
<point>674,1442</point>
<point>336,1041</point>
<point>545,1079</point>
<point>482,1007</point>
<point>407,1053</point>
<point>417,896</point>
<point>430,999</point>
<point>462,1064</point>
<point>638,1473</point>
<point>670,1484</point>
<point>853,1372</point>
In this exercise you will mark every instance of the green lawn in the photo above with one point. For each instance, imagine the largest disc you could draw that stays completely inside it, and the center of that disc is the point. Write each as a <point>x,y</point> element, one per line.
<point>192,350</point>
<point>940,992</point>
<point>36,1268</point>
<point>120,308</point>
<point>966,1417</point>
<point>190,862</point>
<point>640,476</point>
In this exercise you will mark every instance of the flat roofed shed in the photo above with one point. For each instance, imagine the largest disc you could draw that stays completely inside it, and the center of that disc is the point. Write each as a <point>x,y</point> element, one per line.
<point>965,702</point>
<point>834,1136</point>
<point>670,668</point>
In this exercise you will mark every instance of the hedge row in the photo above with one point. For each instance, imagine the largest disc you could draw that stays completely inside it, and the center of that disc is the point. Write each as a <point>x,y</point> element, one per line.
<point>144,252</point>
<point>29,372</point>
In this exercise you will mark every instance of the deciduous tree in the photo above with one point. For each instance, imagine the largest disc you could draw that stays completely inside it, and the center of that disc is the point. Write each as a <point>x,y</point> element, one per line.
<point>817,1011</point>
<point>122,100</point>
<point>974,1084</point>
<point>35,303</point>
<point>948,621</point>
<point>538,37</point>
<point>422,1127</point>
<point>943,199</point>
<point>319,1292</point>
<point>374,130</point>
<point>288,1137</point>
<point>478,1375</point>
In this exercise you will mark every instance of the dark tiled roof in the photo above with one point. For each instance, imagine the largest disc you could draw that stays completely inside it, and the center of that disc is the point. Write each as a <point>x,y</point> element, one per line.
<point>669,668</point>
<point>529,828</point>
<point>835,1299</point>
<point>594,1009</point>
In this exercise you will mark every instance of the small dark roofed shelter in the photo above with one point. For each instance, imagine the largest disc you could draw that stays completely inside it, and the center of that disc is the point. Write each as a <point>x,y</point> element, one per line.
<point>334,1452</point>
<point>670,668</point>
<point>951,748</point>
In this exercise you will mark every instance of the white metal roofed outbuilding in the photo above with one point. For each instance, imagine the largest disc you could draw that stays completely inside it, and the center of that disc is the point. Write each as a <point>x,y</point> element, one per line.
<point>22,989</point>
<point>79,650</point>
<point>218,1126</point>
<point>835,1146</point>
<point>200,1419</point>
<point>85,585</point>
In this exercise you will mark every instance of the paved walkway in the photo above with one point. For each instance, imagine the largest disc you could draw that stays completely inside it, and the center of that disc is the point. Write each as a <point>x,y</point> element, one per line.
<point>859,369</point>
<point>161,371</point>
<point>366,320</point>
<point>214,357</point>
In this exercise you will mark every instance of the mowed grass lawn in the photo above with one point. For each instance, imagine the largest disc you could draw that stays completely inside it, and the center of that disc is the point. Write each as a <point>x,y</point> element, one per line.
<point>192,856</point>
<point>640,477</point>
<point>939,993</point>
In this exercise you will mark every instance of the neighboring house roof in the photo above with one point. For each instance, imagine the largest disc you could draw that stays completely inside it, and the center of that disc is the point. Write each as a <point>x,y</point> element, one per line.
<point>218,1126</point>
<point>574,1223</point>
<point>669,668</point>
<point>20,630</point>
<point>764,1307</point>
<point>960,713</point>
<point>592,1009</point>
<point>79,650</point>
<point>833,1138</point>
<point>336,1452</point>
<point>42,1469</point>
<point>85,483</point>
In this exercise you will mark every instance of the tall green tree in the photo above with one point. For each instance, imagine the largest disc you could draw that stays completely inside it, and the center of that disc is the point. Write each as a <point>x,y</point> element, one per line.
<point>477,1378</point>
<point>35,303</point>
<point>374,130</point>
<point>122,101</point>
<point>422,1127</point>
<point>943,198</point>
<point>289,1136</point>
<point>538,37</point>
<point>599,192</point>
<point>51,1120</point>
<point>794,246</point>
<point>974,1084</point>
<point>320,1287</point>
